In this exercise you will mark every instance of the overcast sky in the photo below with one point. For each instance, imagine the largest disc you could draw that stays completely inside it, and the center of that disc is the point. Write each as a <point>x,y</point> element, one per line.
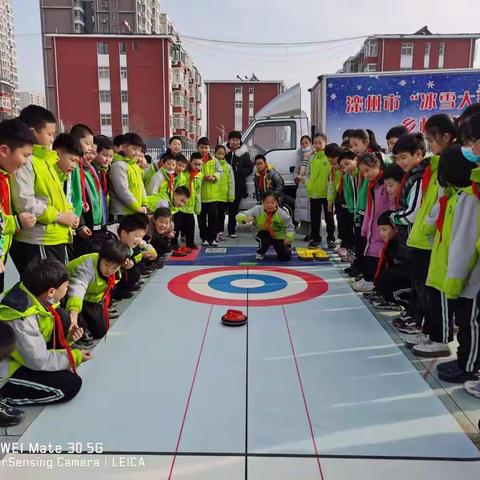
<point>270,21</point>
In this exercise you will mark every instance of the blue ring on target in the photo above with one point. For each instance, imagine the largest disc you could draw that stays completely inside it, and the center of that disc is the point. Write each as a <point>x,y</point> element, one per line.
<point>224,283</point>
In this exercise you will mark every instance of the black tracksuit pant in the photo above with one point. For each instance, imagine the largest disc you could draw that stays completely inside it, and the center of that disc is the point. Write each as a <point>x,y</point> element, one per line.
<point>316,207</point>
<point>207,222</point>
<point>265,241</point>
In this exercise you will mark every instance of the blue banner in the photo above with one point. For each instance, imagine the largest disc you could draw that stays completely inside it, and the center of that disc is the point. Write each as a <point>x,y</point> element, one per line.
<point>379,102</point>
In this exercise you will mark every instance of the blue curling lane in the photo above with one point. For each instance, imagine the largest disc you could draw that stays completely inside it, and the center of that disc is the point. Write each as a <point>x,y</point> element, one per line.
<point>224,283</point>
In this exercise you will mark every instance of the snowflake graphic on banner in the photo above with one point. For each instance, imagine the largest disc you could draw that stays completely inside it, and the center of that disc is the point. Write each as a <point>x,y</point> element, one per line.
<point>330,85</point>
<point>430,84</point>
<point>333,96</point>
<point>402,83</point>
<point>359,87</point>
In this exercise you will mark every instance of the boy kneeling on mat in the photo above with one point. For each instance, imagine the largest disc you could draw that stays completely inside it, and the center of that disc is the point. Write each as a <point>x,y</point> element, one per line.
<point>91,281</point>
<point>274,225</point>
<point>42,369</point>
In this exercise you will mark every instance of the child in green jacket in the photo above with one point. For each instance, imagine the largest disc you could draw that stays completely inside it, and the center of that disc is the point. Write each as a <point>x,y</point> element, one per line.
<point>184,217</point>
<point>226,190</point>
<point>274,226</point>
<point>37,189</point>
<point>454,271</point>
<point>317,191</point>
<point>211,174</point>
<point>42,369</point>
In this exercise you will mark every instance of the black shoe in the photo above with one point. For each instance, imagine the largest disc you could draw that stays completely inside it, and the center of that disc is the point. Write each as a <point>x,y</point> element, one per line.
<point>134,288</point>
<point>307,238</point>
<point>87,341</point>
<point>313,244</point>
<point>457,375</point>
<point>122,294</point>
<point>452,364</point>
<point>9,416</point>
<point>331,244</point>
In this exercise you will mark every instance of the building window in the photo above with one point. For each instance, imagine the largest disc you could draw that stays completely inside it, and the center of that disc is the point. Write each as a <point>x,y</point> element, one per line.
<point>6,103</point>
<point>114,29</point>
<point>102,48</point>
<point>372,48</point>
<point>103,72</point>
<point>238,90</point>
<point>441,54</point>
<point>105,29</point>
<point>406,57</point>
<point>251,90</point>
<point>250,104</point>
<point>123,48</point>
<point>105,96</point>
<point>78,15</point>
<point>251,119</point>
<point>78,28</point>
<point>105,4</point>
<point>238,104</point>
<point>125,120</point>
<point>105,120</point>
<point>123,72</point>
<point>426,56</point>
<point>124,96</point>
<point>371,67</point>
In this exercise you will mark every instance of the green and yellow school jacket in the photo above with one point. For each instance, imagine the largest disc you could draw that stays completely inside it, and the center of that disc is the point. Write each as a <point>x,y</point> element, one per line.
<point>85,283</point>
<point>194,185</point>
<point>334,180</point>
<point>36,188</point>
<point>9,223</point>
<point>350,184</point>
<point>161,199</point>
<point>454,252</point>
<point>279,225</point>
<point>317,183</point>
<point>210,190</point>
<point>127,192</point>
<point>418,236</point>
<point>34,326</point>
<point>226,184</point>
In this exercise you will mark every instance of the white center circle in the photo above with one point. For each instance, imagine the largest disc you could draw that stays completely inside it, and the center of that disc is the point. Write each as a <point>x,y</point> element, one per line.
<point>247,283</point>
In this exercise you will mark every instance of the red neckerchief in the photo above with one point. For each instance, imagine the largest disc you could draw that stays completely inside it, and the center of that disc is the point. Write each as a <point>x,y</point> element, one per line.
<point>371,186</point>
<point>475,190</point>
<point>441,214</point>
<point>268,223</point>
<point>58,332</point>
<point>85,206</point>
<point>332,173</point>
<point>103,173</point>
<point>171,182</point>
<point>427,175</point>
<point>340,187</point>
<point>402,184</point>
<point>381,260</point>
<point>262,182</point>
<point>193,174</point>
<point>206,158</point>
<point>5,192</point>
<point>107,298</point>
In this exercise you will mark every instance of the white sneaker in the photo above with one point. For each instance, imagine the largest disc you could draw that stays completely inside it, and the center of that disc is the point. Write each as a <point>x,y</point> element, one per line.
<point>259,257</point>
<point>472,387</point>
<point>431,349</point>
<point>363,286</point>
<point>205,243</point>
<point>418,339</point>
<point>214,244</point>
<point>342,252</point>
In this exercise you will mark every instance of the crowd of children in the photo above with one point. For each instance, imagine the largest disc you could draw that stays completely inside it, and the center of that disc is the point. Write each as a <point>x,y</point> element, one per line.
<point>86,219</point>
<point>409,225</point>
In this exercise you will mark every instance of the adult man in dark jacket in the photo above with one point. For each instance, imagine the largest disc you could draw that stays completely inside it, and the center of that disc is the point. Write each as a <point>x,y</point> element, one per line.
<point>267,179</point>
<point>242,166</point>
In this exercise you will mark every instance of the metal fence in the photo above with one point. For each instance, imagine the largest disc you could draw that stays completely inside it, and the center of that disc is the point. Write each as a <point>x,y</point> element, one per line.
<point>156,153</point>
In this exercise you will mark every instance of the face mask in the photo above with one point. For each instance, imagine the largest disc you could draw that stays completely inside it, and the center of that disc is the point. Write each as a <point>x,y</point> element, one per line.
<point>467,152</point>
<point>308,149</point>
<point>51,300</point>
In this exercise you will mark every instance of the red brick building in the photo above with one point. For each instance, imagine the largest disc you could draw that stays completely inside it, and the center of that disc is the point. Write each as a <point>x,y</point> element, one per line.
<point>232,104</point>
<point>419,51</point>
<point>120,83</point>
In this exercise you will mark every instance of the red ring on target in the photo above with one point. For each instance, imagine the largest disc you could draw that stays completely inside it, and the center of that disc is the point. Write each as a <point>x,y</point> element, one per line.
<point>315,286</point>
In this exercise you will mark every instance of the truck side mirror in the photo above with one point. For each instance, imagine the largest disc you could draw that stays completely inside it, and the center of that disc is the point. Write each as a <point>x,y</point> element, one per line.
<point>292,169</point>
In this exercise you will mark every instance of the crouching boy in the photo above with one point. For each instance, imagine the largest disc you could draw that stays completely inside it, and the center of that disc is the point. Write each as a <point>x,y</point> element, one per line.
<point>42,369</point>
<point>91,281</point>
<point>274,225</point>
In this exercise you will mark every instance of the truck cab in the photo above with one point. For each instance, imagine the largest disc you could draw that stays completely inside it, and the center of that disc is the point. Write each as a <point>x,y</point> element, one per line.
<point>276,132</point>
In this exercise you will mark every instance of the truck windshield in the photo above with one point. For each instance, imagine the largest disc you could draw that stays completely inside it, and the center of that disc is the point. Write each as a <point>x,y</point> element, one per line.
<point>271,136</point>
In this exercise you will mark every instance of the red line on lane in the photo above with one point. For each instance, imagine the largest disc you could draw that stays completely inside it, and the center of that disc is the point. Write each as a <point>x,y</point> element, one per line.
<point>303,395</point>
<point>190,394</point>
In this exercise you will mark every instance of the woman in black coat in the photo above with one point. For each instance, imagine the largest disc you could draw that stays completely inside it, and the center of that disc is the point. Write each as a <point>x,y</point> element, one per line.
<point>242,166</point>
